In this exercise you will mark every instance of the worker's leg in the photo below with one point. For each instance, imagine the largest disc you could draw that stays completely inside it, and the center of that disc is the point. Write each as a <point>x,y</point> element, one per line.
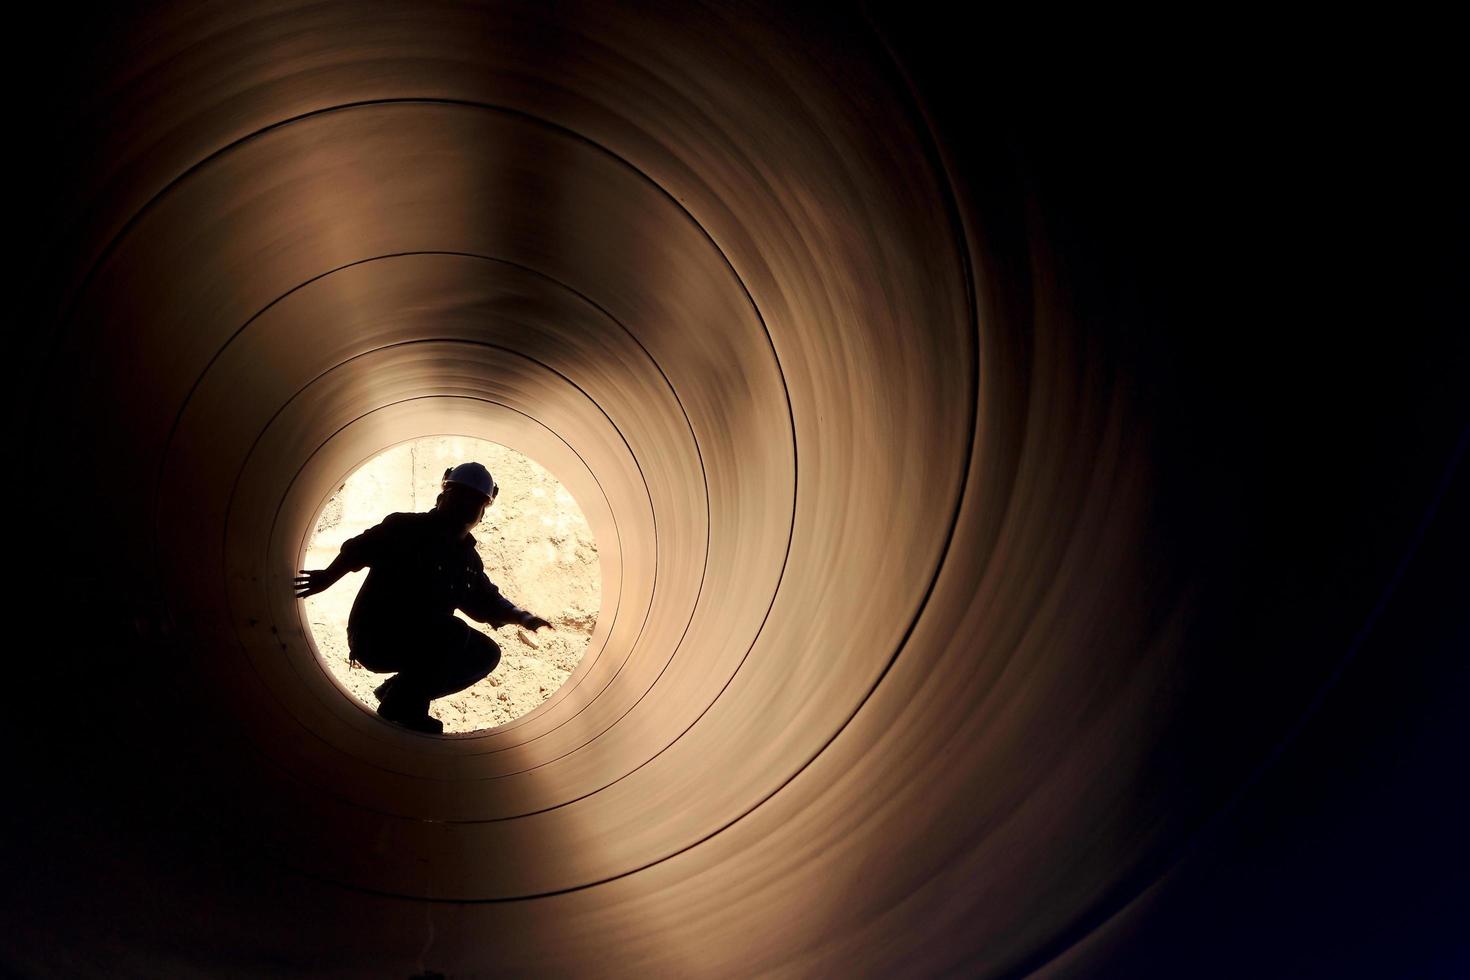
<point>468,665</point>
<point>448,657</point>
<point>386,650</point>
<point>380,652</point>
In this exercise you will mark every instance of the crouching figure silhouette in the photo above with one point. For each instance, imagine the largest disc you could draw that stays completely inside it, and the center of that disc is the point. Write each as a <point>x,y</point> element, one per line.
<point>424,566</point>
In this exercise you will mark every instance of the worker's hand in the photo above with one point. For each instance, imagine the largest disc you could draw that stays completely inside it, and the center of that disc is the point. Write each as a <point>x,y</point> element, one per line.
<point>533,622</point>
<point>311,582</point>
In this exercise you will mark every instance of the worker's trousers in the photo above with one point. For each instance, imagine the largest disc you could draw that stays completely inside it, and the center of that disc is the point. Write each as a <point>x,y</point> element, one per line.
<point>433,659</point>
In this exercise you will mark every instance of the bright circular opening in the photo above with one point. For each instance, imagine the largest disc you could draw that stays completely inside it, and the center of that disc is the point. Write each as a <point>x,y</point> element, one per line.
<point>536,548</point>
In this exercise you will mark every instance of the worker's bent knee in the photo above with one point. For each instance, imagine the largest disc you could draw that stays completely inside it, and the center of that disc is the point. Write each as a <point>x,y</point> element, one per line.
<point>484,651</point>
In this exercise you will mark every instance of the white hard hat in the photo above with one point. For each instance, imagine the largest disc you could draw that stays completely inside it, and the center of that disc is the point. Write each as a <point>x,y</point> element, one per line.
<point>474,476</point>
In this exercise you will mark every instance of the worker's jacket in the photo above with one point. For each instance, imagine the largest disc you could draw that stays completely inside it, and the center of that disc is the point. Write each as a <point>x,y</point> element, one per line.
<point>418,573</point>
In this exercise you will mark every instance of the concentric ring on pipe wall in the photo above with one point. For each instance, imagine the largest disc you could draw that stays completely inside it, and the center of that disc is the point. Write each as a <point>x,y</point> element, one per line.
<point>217,430</point>
<point>440,187</point>
<point>746,682</point>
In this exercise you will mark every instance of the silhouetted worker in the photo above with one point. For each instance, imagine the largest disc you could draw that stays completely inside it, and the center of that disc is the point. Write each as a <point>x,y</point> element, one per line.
<point>424,566</point>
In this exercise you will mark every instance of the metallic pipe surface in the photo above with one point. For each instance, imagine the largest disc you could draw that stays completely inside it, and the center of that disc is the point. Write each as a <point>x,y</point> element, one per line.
<point>983,521</point>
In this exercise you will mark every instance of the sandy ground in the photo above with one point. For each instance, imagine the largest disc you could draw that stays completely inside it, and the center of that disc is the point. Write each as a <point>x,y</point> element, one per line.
<point>536,547</point>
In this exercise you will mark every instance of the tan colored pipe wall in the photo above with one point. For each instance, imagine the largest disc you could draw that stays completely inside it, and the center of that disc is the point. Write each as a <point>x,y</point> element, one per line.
<point>895,638</point>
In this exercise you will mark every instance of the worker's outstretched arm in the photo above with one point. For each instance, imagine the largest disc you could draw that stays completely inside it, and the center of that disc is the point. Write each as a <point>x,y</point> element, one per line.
<point>355,554</point>
<point>369,546</point>
<point>310,581</point>
<point>487,605</point>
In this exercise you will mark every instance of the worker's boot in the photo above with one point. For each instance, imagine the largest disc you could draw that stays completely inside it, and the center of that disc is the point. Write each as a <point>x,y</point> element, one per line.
<point>403,708</point>
<point>382,691</point>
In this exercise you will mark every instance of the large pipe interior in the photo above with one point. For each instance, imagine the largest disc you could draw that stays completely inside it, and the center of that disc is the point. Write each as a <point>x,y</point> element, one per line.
<point>990,528</point>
